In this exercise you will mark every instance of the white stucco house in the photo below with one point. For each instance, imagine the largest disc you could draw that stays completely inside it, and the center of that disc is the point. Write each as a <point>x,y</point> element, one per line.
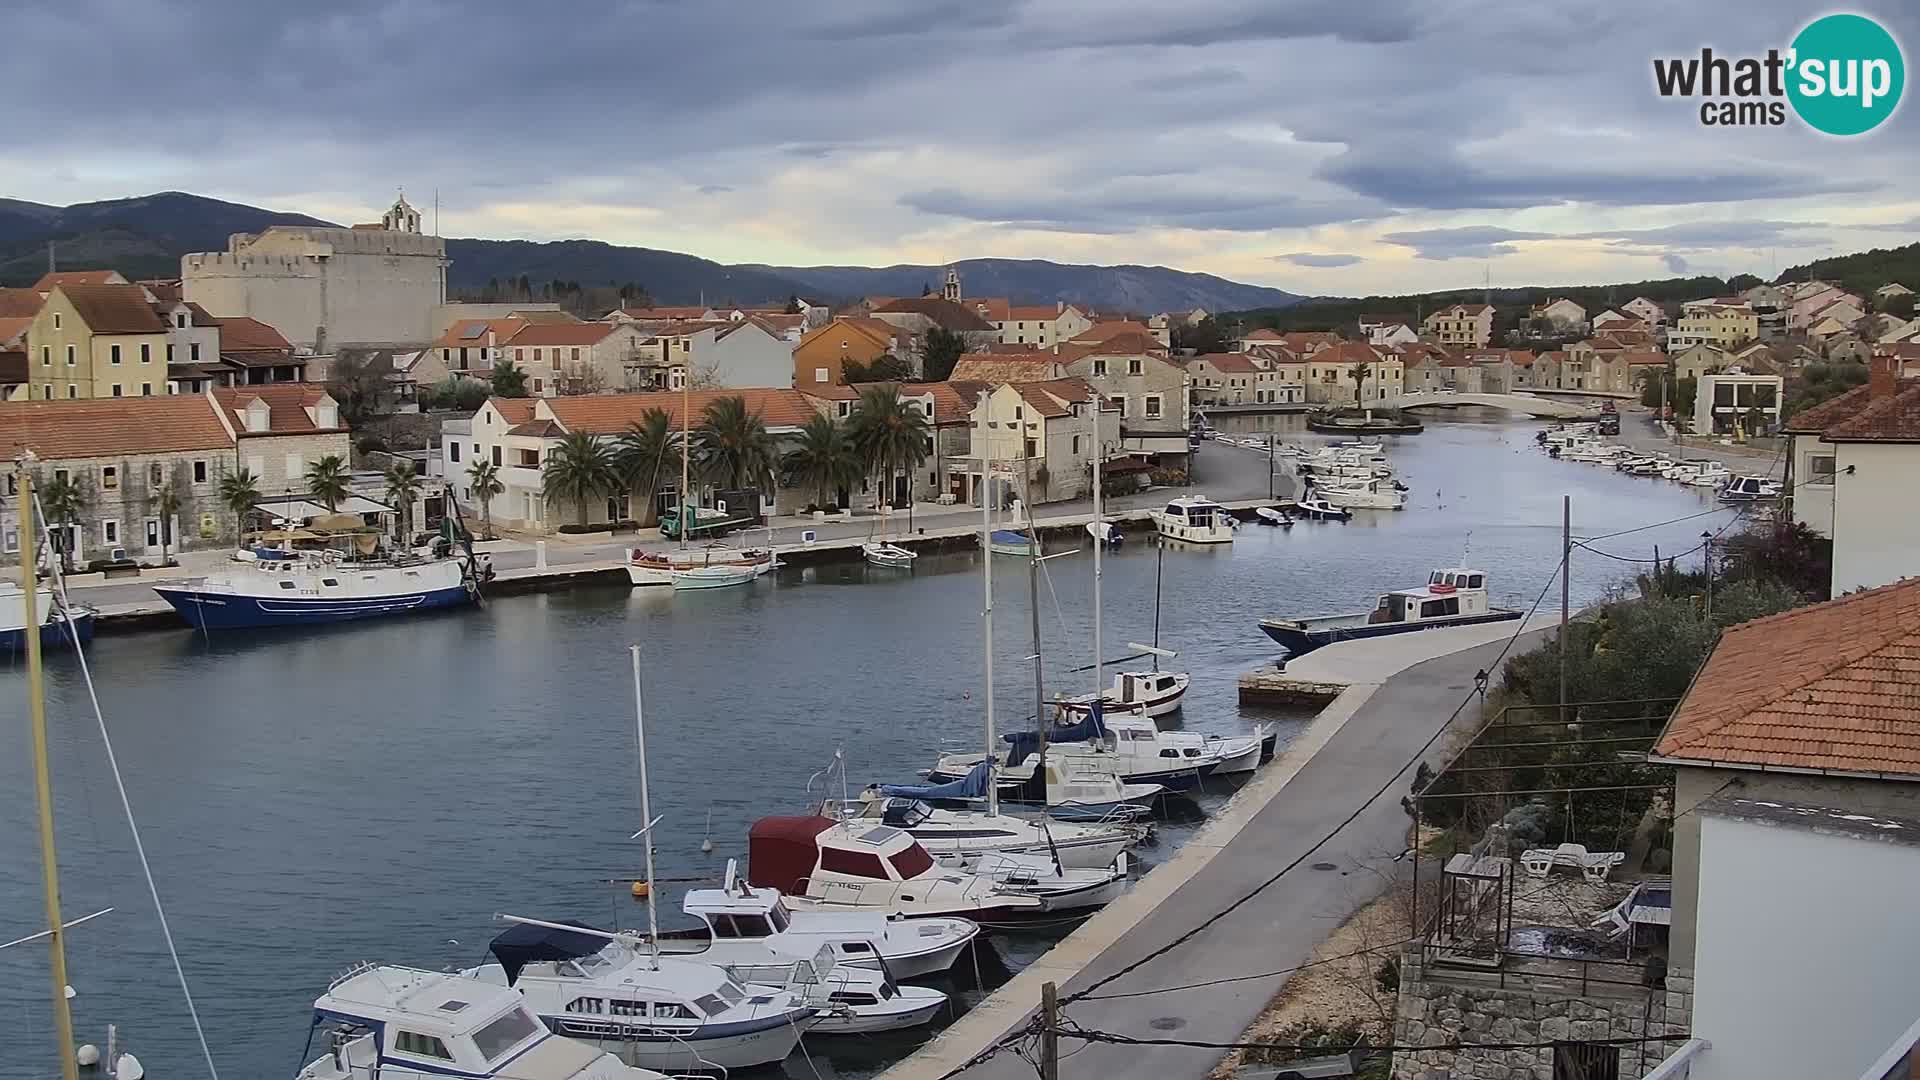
<point>1852,464</point>
<point>1739,400</point>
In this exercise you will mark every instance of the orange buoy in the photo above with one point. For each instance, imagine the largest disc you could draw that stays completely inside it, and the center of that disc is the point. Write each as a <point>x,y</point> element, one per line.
<point>640,890</point>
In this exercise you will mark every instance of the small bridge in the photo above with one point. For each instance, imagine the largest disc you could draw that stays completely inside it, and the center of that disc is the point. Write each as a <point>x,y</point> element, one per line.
<point>1520,403</point>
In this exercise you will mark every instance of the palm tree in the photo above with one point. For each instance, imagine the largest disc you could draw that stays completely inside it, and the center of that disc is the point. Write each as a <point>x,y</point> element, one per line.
<point>63,501</point>
<point>508,380</point>
<point>166,504</point>
<point>1358,373</point>
<point>239,490</point>
<point>643,454</point>
<point>327,481</point>
<point>733,444</point>
<point>484,477</point>
<point>580,470</point>
<point>890,436</point>
<point>822,459</point>
<point>403,485</point>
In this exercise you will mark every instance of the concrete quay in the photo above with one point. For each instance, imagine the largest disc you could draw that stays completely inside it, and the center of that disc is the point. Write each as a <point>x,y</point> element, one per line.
<point>1395,694</point>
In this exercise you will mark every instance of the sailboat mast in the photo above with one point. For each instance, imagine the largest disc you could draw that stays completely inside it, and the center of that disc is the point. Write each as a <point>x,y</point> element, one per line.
<point>42,779</point>
<point>1159,561</point>
<point>986,618</point>
<point>1033,606</point>
<point>1099,459</point>
<point>646,807</point>
<point>686,439</point>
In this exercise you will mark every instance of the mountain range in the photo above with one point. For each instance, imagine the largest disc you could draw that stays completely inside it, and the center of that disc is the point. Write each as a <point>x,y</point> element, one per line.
<point>144,237</point>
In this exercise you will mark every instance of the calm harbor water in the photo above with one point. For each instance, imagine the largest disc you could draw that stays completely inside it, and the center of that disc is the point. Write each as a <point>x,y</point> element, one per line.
<point>379,791</point>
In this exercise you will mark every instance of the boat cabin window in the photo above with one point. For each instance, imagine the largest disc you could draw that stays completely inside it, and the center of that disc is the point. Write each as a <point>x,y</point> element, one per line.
<point>285,584</point>
<point>504,1032</point>
<point>618,1007</point>
<point>778,913</point>
<point>335,582</point>
<point>591,1005</point>
<point>855,948</point>
<point>911,862</point>
<point>1475,581</point>
<point>1169,753</point>
<point>412,1042</point>
<point>864,864</point>
<point>673,1010</point>
<point>904,813</point>
<point>1433,608</point>
<point>739,926</point>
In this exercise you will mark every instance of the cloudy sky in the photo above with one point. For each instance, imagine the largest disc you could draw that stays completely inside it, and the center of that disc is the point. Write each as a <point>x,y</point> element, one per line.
<point>1321,146</point>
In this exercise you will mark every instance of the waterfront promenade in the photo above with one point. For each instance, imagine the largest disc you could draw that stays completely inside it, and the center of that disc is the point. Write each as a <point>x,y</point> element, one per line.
<point>1370,733</point>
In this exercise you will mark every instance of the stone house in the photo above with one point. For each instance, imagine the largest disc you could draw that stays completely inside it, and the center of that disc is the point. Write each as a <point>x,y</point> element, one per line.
<point>1241,378</point>
<point>1647,311</point>
<point>1330,375</point>
<point>1797,741</point>
<point>917,315</point>
<point>1035,325</point>
<point>565,357</point>
<point>1699,359</point>
<point>282,428</point>
<point>1728,326</point>
<point>1143,390</point>
<point>1037,436</point>
<point>123,451</point>
<point>1563,313</point>
<point>114,340</point>
<point>1467,325</point>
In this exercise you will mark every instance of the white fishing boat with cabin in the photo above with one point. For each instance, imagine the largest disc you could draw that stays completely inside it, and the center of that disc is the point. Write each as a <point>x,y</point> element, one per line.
<point>1363,495</point>
<point>398,1023</point>
<point>1194,519</point>
<point>1750,489</point>
<point>1079,845</point>
<point>1452,596</point>
<point>1316,508</point>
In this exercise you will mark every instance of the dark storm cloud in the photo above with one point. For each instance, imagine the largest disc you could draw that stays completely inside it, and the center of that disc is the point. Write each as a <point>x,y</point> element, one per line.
<point>1311,259</point>
<point>1464,242</point>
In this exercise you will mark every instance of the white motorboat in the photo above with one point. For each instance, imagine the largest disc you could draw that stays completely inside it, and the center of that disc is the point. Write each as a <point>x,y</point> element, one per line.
<point>972,832</point>
<point>1750,489</point>
<point>1096,744</point>
<point>1452,596</point>
<point>890,555</point>
<point>401,1023</point>
<point>904,948</point>
<point>823,865</point>
<point>1104,533</point>
<point>566,970</point>
<point>1270,516</point>
<point>1154,692</point>
<point>717,576</point>
<point>1368,495</point>
<point>1237,753</point>
<point>1710,474</point>
<point>1317,508</point>
<point>656,1012</point>
<point>658,567</point>
<point>59,628</point>
<point>1194,519</point>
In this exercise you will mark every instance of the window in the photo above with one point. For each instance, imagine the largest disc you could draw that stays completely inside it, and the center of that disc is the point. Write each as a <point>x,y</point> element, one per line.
<point>912,862</point>
<point>529,459</point>
<point>1076,446</point>
<point>845,409</point>
<point>113,354</point>
<point>1585,1061</point>
<point>1117,404</point>
<point>200,472</point>
<point>1032,448</point>
<point>70,359</point>
<point>504,1032</point>
<point>153,532</point>
<point>1099,367</point>
<point>1135,367</point>
<point>591,1005</point>
<point>453,451</point>
<point>519,356</point>
<point>46,356</point>
<point>110,532</point>
<point>673,1010</point>
<point>537,383</point>
<point>286,586</point>
<point>180,319</point>
<point>820,375</point>
<point>73,390</point>
<point>209,528</point>
<point>536,356</point>
<point>1153,407</point>
<point>296,466</point>
<point>863,864</point>
<point>116,389</point>
<point>56,320</point>
<point>575,357</point>
<point>110,477</point>
<point>10,541</point>
<point>156,474</point>
<point>169,352</point>
<point>46,392</point>
<point>496,457</point>
<point>412,1042</point>
<point>146,353</point>
<point>1820,470</point>
<point>193,352</point>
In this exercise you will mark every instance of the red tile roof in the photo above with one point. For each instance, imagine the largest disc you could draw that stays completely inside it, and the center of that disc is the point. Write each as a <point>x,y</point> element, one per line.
<point>1131,343</point>
<point>1238,363</point>
<point>540,429</point>
<point>112,427</point>
<point>1832,686</point>
<point>576,334</point>
<point>990,308</point>
<point>609,414</point>
<point>953,399</point>
<point>1103,332</point>
<point>1644,357</point>
<point>287,405</point>
<point>1055,397</point>
<point>115,309</point>
<point>19,303</point>
<point>457,336</point>
<point>943,313</point>
<point>1893,418</point>
<point>682,312</point>
<point>49,281</point>
<point>513,410</point>
<point>244,334</point>
<point>1035,313</point>
<point>12,328</point>
<point>1348,352</point>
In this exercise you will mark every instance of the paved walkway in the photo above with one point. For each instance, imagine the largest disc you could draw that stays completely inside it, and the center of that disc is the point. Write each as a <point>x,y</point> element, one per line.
<point>1368,734</point>
<point>1639,430</point>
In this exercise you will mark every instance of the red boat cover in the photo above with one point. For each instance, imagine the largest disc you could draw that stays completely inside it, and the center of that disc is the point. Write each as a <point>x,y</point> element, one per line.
<point>781,852</point>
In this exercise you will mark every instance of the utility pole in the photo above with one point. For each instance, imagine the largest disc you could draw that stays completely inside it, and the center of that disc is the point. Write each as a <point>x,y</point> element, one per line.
<point>1049,1032</point>
<point>1706,539</point>
<point>1566,565</point>
<point>1271,436</point>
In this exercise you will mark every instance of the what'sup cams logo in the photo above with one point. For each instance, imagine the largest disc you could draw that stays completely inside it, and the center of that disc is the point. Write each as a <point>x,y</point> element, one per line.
<point>1842,75</point>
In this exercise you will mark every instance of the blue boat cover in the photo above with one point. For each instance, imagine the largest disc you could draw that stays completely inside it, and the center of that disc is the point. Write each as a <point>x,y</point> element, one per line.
<point>1026,743</point>
<point>1009,536</point>
<point>524,944</point>
<point>971,786</point>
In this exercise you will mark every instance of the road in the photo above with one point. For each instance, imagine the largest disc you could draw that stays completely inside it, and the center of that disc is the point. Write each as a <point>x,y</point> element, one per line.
<point>1222,472</point>
<point>1281,927</point>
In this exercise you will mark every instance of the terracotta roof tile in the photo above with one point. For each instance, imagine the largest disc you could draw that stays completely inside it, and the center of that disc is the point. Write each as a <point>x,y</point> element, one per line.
<point>953,399</point>
<point>1832,686</point>
<point>1104,332</point>
<point>12,328</point>
<point>49,281</point>
<point>576,334</point>
<point>111,427</point>
<point>1131,343</point>
<point>1009,368</point>
<point>990,308</point>
<point>115,309</point>
<point>1829,412</point>
<point>244,334</point>
<point>943,313</point>
<point>1895,418</point>
<point>1238,363</point>
<point>1034,313</point>
<point>682,312</point>
<point>542,429</point>
<point>472,333</point>
<point>513,410</point>
<point>19,303</point>
<point>287,405</point>
<point>609,414</point>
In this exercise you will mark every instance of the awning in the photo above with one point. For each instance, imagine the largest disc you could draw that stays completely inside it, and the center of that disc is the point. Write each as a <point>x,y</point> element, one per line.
<point>526,944</point>
<point>296,508</point>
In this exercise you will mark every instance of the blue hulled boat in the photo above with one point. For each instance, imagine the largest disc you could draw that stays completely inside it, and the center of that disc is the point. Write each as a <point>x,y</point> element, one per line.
<point>59,628</point>
<point>311,589</point>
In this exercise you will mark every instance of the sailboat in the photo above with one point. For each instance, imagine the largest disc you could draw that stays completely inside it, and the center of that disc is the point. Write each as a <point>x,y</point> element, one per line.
<point>682,571</point>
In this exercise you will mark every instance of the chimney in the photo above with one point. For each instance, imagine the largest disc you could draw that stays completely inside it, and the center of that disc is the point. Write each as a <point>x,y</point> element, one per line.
<point>1881,373</point>
<point>1059,307</point>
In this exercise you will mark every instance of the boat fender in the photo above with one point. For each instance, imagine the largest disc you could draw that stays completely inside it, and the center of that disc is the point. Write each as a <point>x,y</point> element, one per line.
<point>641,889</point>
<point>88,1055</point>
<point>128,1068</point>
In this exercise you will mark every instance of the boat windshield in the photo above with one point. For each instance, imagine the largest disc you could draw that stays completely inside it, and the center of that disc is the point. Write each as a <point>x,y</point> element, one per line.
<point>596,964</point>
<point>911,862</point>
<point>778,913</point>
<point>725,997</point>
<point>503,1033</point>
<point>906,813</point>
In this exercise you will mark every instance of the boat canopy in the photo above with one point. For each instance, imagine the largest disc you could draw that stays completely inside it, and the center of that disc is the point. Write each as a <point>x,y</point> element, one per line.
<point>1026,743</point>
<point>1009,536</point>
<point>525,944</point>
<point>781,852</point>
<point>971,786</point>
